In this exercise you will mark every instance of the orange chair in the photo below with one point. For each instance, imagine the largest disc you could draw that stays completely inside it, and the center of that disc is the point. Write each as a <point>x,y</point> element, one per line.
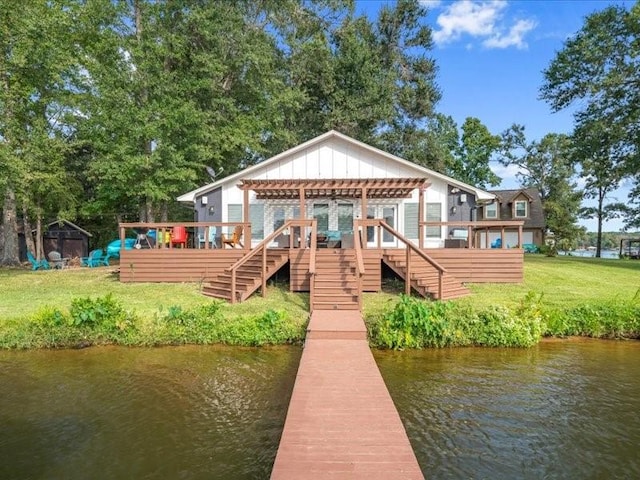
<point>234,239</point>
<point>179,236</point>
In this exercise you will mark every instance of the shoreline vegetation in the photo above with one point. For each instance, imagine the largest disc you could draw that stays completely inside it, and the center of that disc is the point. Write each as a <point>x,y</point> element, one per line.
<point>560,297</point>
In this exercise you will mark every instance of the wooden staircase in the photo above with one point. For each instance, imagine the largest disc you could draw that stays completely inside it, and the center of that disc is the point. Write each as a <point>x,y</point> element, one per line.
<point>248,277</point>
<point>424,277</point>
<point>335,283</point>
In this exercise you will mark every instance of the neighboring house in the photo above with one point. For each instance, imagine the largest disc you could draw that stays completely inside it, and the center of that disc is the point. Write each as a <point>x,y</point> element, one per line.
<point>346,167</point>
<point>520,204</point>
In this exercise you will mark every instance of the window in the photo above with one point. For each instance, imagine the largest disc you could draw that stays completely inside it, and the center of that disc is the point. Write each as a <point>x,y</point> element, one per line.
<point>434,214</point>
<point>520,209</point>
<point>491,210</point>
<point>234,213</point>
<point>278,217</point>
<point>411,220</point>
<point>321,214</point>
<point>345,217</point>
<point>256,218</point>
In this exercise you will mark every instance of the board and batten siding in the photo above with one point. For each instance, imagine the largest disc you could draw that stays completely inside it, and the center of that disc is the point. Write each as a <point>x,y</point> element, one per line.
<point>337,158</point>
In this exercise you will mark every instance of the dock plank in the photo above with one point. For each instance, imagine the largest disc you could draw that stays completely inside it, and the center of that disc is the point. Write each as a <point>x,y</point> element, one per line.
<point>341,422</point>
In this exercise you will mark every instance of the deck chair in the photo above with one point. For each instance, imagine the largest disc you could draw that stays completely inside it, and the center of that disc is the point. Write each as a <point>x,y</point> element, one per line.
<point>95,259</point>
<point>57,261</point>
<point>211,238</point>
<point>233,239</point>
<point>36,264</point>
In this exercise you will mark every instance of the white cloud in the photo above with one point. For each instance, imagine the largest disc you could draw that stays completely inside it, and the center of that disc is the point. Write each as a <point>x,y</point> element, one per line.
<point>514,38</point>
<point>508,174</point>
<point>481,19</point>
<point>430,3</point>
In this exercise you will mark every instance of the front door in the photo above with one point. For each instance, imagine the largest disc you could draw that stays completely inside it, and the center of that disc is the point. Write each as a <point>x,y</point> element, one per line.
<point>388,213</point>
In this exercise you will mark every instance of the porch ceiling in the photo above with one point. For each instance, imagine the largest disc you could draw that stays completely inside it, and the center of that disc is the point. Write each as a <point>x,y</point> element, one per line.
<point>334,188</point>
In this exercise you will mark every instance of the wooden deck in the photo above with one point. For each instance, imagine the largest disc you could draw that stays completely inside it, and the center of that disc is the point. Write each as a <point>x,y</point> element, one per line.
<point>341,422</point>
<point>197,265</point>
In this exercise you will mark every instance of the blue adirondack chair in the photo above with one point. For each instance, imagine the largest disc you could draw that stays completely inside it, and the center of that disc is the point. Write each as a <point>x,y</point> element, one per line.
<point>36,264</point>
<point>113,249</point>
<point>95,258</point>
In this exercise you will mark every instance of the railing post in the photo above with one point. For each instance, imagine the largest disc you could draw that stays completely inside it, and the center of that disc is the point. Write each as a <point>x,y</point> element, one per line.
<point>439,284</point>
<point>264,271</point>
<point>233,286</point>
<point>407,283</point>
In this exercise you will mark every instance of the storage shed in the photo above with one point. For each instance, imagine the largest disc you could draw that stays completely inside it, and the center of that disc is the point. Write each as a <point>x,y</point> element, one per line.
<point>66,238</point>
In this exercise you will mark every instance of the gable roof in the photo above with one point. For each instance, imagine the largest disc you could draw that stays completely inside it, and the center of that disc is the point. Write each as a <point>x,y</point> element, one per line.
<point>190,197</point>
<point>67,222</point>
<point>536,213</point>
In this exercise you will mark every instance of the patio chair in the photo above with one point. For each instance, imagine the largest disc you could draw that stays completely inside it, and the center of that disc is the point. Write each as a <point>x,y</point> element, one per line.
<point>233,239</point>
<point>95,259</point>
<point>179,236</point>
<point>36,264</point>
<point>57,261</point>
<point>211,238</point>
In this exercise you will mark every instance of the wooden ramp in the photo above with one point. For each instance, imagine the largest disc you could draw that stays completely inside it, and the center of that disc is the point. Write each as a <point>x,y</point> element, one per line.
<point>341,422</point>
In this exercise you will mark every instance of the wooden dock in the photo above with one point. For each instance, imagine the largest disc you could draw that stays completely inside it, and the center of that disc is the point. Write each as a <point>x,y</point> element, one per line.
<point>341,422</point>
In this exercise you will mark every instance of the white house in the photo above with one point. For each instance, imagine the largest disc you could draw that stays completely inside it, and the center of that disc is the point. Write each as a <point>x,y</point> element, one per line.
<point>339,160</point>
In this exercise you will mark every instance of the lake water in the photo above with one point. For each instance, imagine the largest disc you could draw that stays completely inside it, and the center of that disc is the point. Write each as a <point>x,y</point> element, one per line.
<point>564,409</point>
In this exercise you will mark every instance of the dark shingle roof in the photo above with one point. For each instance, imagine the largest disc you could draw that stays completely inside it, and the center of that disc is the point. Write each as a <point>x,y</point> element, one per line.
<point>536,214</point>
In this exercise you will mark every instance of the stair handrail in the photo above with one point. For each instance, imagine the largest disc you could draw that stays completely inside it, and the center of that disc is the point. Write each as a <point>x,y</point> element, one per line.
<point>410,246</point>
<point>261,248</point>
<point>360,270</point>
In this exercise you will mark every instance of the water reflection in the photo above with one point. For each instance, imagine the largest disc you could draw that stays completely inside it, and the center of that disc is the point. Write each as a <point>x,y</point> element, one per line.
<point>560,410</point>
<point>112,413</point>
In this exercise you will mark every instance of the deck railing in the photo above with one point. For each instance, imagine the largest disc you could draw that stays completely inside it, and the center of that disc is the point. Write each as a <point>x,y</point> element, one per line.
<point>262,248</point>
<point>477,228</point>
<point>360,270</point>
<point>410,247</point>
<point>162,236</point>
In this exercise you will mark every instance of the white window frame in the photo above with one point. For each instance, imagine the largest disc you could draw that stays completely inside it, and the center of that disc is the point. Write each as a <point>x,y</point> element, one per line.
<point>515,209</point>
<point>492,207</point>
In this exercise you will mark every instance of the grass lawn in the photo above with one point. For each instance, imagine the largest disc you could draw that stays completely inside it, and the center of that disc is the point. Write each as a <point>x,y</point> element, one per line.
<point>26,291</point>
<point>564,282</point>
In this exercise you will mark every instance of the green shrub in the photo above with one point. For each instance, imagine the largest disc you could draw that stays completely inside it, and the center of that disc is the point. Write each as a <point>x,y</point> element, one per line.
<point>415,323</point>
<point>50,317</point>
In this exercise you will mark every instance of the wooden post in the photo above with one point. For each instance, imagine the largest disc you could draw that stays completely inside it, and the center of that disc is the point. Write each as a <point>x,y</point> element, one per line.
<point>503,244</point>
<point>420,217</point>
<point>407,278</point>
<point>233,286</point>
<point>303,215</point>
<point>264,271</point>
<point>247,237</point>
<point>520,236</point>
<point>469,243</point>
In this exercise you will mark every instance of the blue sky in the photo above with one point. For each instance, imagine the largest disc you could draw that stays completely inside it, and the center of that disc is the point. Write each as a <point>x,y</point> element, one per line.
<point>490,56</point>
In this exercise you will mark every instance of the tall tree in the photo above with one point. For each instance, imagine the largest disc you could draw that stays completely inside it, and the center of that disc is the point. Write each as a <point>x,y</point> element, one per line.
<point>38,69</point>
<point>477,148</point>
<point>176,86</point>
<point>603,166</point>
<point>598,70</point>
<point>549,166</point>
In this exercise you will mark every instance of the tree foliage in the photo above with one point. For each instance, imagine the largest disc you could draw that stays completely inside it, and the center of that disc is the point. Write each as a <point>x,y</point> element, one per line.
<point>549,166</point>
<point>598,71</point>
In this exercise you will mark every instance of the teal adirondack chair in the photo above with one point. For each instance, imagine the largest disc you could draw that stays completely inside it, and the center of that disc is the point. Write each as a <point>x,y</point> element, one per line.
<point>36,264</point>
<point>95,259</point>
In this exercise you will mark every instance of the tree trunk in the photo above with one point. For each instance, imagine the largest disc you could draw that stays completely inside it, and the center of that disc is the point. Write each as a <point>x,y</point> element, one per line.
<point>28,232</point>
<point>164,212</point>
<point>11,253</point>
<point>600,215</point>
<point>39,236</point>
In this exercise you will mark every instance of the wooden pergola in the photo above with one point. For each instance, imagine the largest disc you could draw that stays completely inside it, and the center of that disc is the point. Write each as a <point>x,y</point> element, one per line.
<point>361,189</point>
